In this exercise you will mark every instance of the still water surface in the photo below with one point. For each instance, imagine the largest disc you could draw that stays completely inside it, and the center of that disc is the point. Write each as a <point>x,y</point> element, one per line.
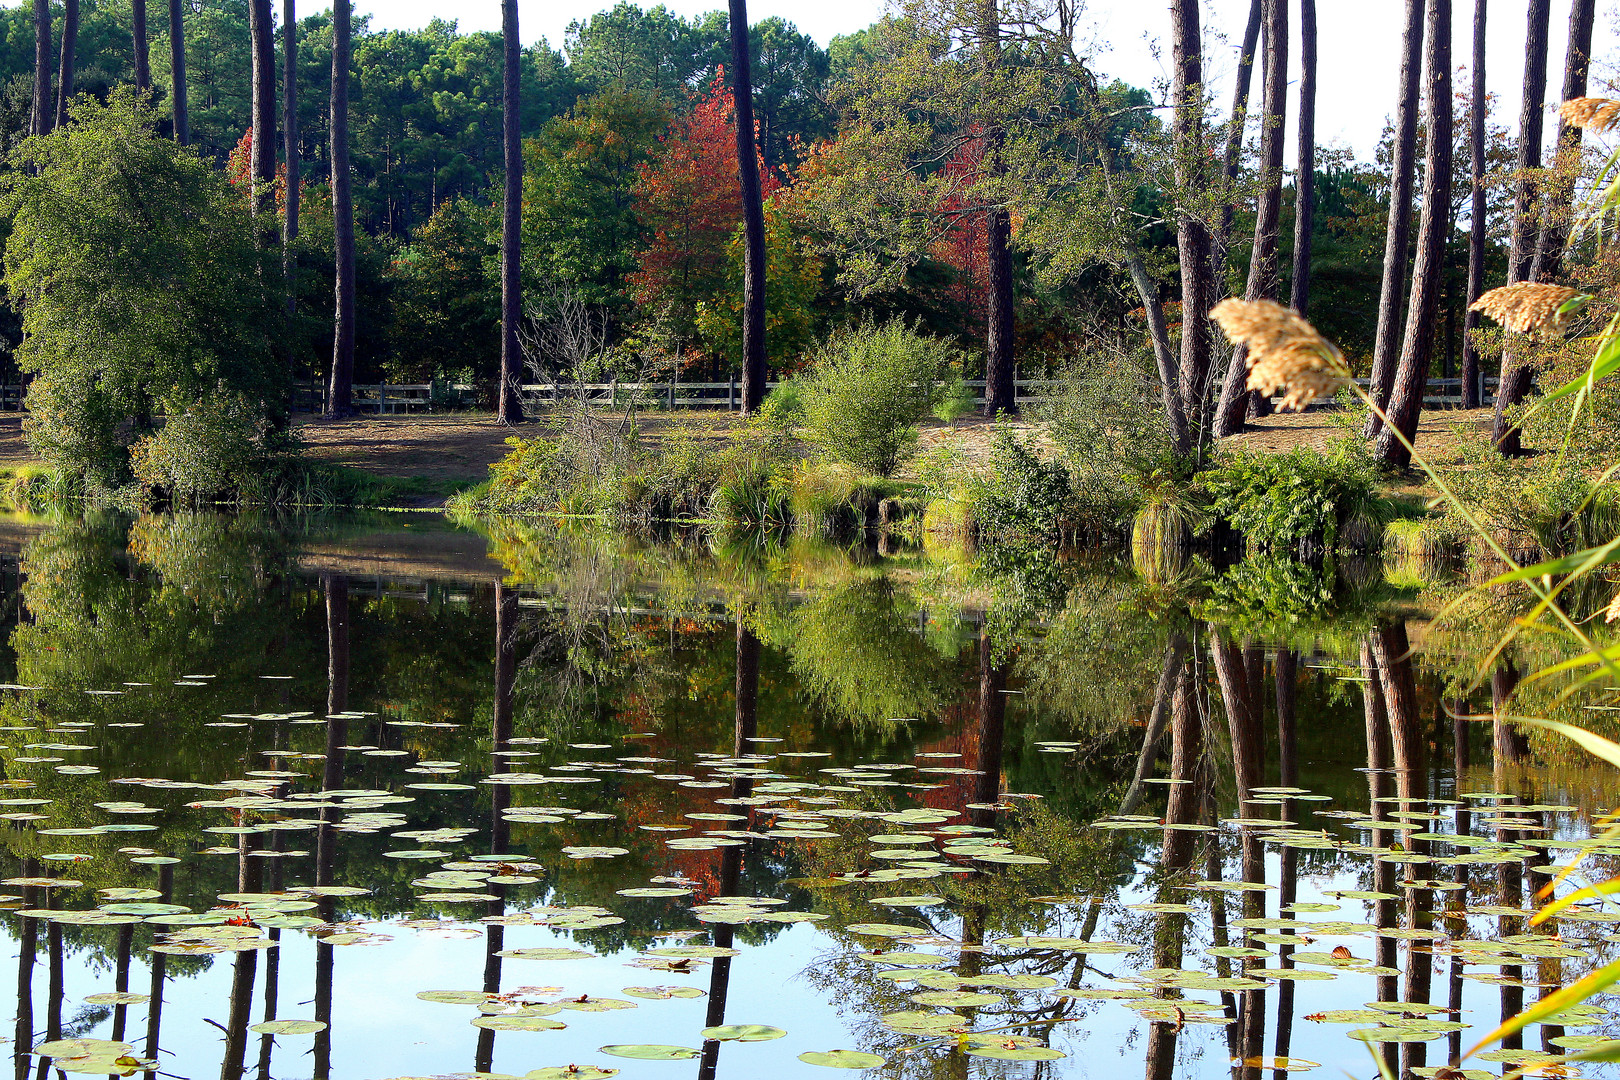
<point>429,806</point>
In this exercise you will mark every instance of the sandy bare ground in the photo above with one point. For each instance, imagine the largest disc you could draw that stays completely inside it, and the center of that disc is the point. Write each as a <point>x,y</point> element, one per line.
<point>460,447</point>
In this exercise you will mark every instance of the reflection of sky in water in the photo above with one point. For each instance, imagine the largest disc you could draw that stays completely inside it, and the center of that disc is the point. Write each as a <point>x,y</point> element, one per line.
<point>679,680</point>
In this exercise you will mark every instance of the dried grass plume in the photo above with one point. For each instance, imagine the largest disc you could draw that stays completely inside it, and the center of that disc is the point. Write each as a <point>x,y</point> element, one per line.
<point>1527,307</point>
<point>1285,352</point>
<point>1595,114</point>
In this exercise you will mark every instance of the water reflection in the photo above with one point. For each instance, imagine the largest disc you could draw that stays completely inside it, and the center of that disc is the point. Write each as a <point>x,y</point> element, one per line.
<point>1126,830</point>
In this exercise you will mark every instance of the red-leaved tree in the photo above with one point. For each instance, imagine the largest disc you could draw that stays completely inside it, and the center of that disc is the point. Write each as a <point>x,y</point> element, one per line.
<point>690,202</point>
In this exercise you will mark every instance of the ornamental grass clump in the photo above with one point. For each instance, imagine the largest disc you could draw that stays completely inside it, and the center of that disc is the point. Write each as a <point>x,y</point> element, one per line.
<point>1528,307</point>
<point>1286,353</point>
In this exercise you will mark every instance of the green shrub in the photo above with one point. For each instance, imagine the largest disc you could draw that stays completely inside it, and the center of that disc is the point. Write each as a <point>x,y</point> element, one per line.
<point>955,399</point>
<point>868,389</point>
<point>784,406</point>
<point>1278,501</point>
<point>212,451</point>
<point>1021,495</point>
<point>1547,504</point>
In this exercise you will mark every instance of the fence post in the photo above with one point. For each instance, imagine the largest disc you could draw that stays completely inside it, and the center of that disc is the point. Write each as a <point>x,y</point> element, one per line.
<point>672,379</point>
<point>731,395</point>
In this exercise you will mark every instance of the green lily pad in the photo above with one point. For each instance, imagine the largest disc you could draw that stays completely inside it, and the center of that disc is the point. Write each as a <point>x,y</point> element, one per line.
<point>842,1059</point>
<point>661,993</point>
<point>650,1051</point>
<point>1015,1053</point>
<point>571,1072</point>
<point>289,1027</point>
<point>454,997</point>
<point>546,954</point>
<point>884,929</point>
<point>743,1033</point>
<point>518,1023</point>
<point>951,999</point>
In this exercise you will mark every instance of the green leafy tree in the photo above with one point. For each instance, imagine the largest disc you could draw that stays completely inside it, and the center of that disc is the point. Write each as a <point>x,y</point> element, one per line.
<point>654,51</point>
<point>140,286</point>
<point>868,390</point>
<point>444,304</point>
<point>580,226</point>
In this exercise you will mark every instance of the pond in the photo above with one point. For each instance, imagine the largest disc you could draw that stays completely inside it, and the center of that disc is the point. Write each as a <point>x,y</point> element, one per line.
<point>373,798</point>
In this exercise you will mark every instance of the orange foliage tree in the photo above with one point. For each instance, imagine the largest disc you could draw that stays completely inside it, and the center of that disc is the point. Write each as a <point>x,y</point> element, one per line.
<point>689,198</point>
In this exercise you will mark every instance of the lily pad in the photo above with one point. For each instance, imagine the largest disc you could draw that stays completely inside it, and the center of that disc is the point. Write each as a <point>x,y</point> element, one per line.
<point>289,1027</point>
<point>650,1051</point>
<point>743,1033</point>
<point>842,1059</point>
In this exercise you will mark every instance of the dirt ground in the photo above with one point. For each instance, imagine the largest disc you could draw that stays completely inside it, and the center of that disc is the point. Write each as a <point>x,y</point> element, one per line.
<point>460,447</point>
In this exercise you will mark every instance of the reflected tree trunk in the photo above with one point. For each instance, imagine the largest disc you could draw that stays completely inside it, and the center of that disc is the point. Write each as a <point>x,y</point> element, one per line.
<point>500,828</point>
<point>27,943</point>
<point>992,724</point>
<point>1185,801</point>
<point>159,963</point>
<point>1175,658</point>
<point>1286,669</point>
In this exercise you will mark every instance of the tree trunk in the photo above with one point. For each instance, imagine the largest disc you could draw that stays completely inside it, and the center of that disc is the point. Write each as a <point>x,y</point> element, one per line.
<point>1236,401</point>
<point>1406,397</point>
<point>1192,236</point>
<point>177,68</point>
<point>340,393</point>
<point>1305,184</point>
<point>1397,230</point>
<point>1558,201</point>
<point>1000,388</point>
<point>509,399</point>
<point>290,150</point>
<point>44,116</point>
<point>261,31</point>
<point>753,206</point>
<point>64,70</point>
<point>1515,381</point>
<point>1164,358</point>
<point>1476,213</point>
<point>1233,158</point>
<point>143,62</point>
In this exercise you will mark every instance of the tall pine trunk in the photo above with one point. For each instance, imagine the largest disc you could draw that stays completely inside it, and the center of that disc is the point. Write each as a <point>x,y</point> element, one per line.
<point>509,399</point>
<point>1305,185</point>
<point>1236,401</point>
<point>44,115</point>
<point>753,206</point>
<point>64,69</point>
<point>1559,199</point>
<point>177,69</point>
<point>1232,161</point>
<point>1398,227</point>
<point>340,392</point>
<point>290,150</point>
<point>143,60</point>
<point>1411,379</point>
<point>261,32</point>
<point>1000,388</point>
<point>1476,212</point>
<point>1515,382</point>
<point>1192,235</point>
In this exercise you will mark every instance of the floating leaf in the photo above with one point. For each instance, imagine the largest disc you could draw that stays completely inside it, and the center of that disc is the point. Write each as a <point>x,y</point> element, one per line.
<point>650,1051</point>
<point>842,1059</point>
<point>289,1027</point>
<point>743,1033</point>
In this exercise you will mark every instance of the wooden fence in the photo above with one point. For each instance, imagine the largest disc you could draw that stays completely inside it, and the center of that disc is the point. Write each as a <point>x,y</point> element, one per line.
<point>407,397</point>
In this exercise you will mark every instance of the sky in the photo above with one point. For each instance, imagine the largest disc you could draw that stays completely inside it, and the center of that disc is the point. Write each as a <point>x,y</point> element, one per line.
<point>1357,68</point>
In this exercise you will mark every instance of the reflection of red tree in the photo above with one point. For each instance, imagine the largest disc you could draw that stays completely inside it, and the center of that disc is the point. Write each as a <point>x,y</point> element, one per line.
<point>962,719</point>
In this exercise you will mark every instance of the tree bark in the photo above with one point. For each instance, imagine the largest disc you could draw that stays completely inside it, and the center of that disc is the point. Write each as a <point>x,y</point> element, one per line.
<point>177,68</point>
<point>509,400</point>
<point>1192,234</point>
<point>1236,401</point>
<point>290,150</point>
<point>44,116</point>
<point>1397,230</point>
<point>1558,201</point>
<point>143,61</point>
<point>1163,356</point>
<point>1305,183</point>
<point>753,206</point>
<point>1476,212</point>
<point>340,392</point>
<point>261,30</point>
<point>1233,158</point>
<point>1406,398</point>
<point>1515,381</point>
<point>1000,387</point>
<point>64,70</point>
